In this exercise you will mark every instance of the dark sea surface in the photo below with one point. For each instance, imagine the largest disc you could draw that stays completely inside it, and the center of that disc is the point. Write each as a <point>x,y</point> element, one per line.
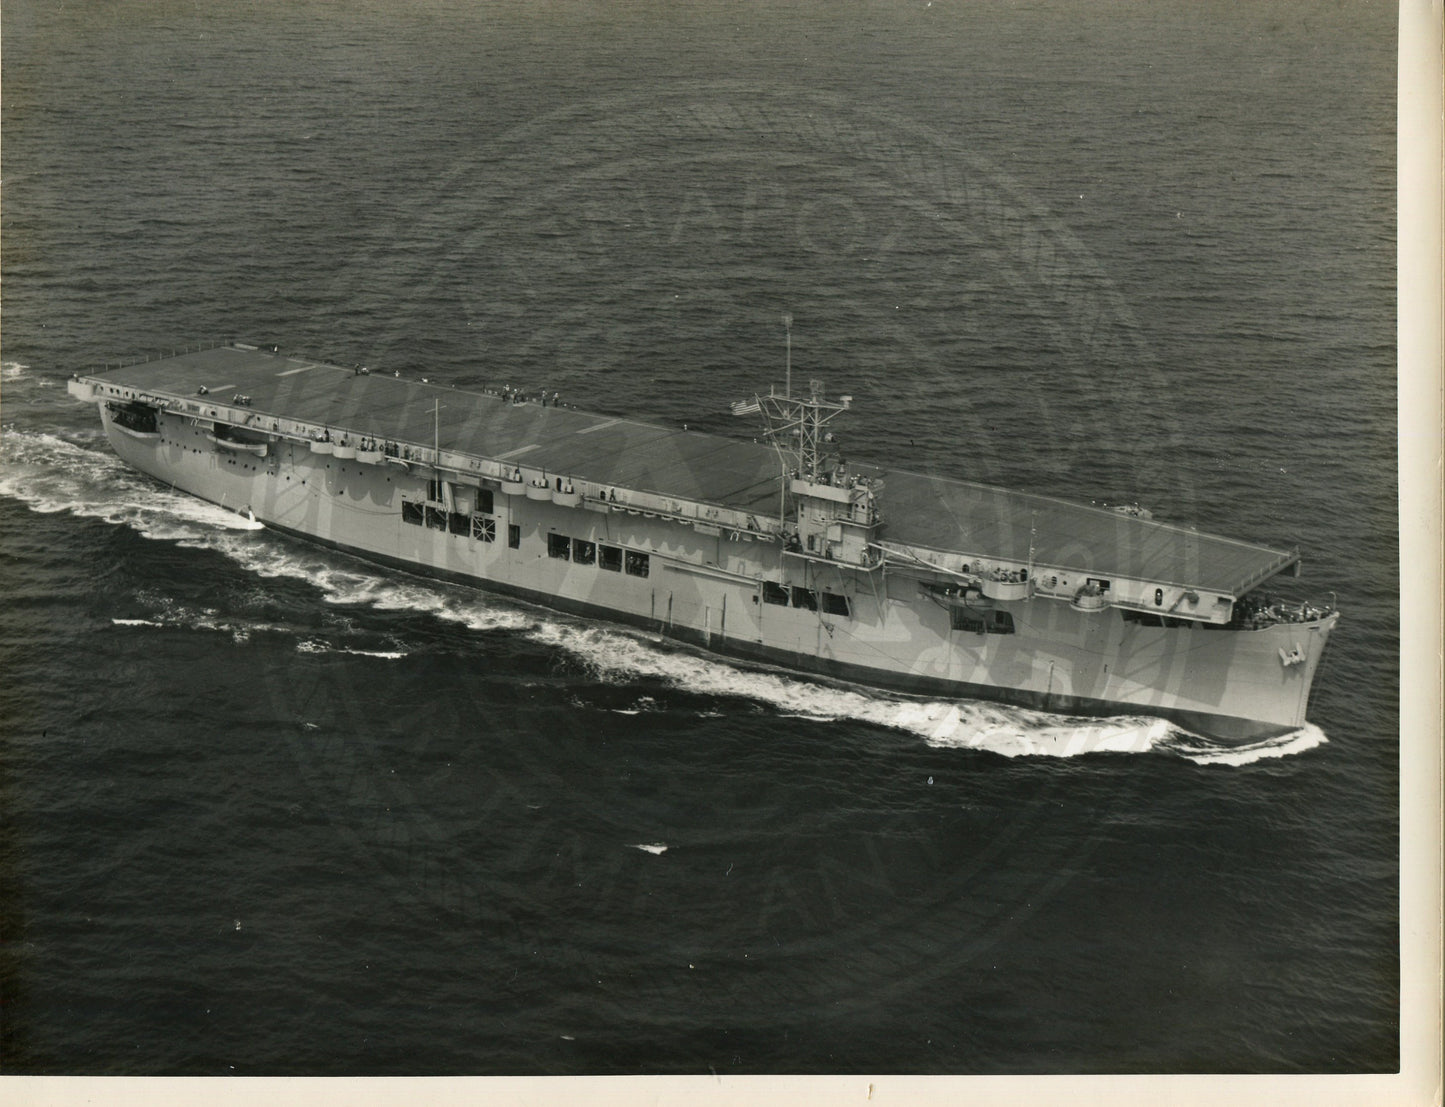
<point>271,810</point>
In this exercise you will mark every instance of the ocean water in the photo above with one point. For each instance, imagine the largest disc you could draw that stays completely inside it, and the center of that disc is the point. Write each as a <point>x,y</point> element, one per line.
<point>272,810</point>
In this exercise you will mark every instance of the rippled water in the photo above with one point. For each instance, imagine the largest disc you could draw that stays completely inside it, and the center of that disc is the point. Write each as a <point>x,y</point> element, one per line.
<point>272,810</point>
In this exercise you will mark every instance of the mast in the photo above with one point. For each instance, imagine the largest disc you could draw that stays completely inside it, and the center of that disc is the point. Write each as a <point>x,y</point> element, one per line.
<point>835,515</point>
<point>788,371</point>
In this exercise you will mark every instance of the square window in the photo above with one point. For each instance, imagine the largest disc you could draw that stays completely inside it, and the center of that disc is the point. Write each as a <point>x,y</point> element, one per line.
<point>964,618</point>
<point>610,558</point>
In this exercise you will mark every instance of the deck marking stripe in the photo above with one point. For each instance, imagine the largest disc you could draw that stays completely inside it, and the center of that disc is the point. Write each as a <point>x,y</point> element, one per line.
<point>288,372</point>
<point>599,426</point>
<point>519,451</point>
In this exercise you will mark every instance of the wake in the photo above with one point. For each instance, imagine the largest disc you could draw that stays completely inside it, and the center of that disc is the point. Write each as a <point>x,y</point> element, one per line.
<point>50,474</point>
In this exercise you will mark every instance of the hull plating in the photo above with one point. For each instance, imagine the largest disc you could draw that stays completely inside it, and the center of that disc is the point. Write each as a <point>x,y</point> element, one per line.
<point>706,589</point>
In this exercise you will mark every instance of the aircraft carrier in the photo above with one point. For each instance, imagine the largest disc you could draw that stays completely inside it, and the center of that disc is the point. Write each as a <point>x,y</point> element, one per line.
<point>766,550</point>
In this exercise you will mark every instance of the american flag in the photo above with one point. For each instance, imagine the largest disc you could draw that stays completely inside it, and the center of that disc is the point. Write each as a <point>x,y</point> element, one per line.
<point>746,407</point>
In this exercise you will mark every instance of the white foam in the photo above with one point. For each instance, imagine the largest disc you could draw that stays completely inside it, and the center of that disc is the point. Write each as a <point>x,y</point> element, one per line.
<point>474,611</point>
<point>177,616</point>
<point>52,475</point>
<point>657,849</point>
<point>313,645</point>
<point>12,370</point>
<point>1203,752</point>
<point>1017,732</point>
<point>619,655</point>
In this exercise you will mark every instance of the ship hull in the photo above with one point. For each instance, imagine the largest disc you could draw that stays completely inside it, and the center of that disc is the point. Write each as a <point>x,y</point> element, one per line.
<point>706,589</point>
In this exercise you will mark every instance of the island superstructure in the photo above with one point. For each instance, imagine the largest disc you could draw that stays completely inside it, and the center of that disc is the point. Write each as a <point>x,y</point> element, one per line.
<point>770,551</point>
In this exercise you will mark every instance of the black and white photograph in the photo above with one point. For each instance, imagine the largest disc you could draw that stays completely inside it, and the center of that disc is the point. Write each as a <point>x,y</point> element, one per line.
<point>705,540</point>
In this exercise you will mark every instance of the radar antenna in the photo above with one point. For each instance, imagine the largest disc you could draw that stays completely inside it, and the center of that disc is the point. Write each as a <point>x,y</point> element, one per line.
<point>836,516</point>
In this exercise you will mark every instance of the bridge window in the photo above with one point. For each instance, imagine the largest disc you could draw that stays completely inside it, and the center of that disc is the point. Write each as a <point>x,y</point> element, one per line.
<point>434,490</point>
<point>484,500</point>
<point>610,558</point>
<point>835,604</point>
<point>637,564</point>
<point>459,523</point>
<point>484,528</point>
<point>559,546</point>
<point>436,518</point>
<point>584,553</point>
<point>514,536</point>
<point>805,597</point>
<point>411,512</point>
<point>775,593</point>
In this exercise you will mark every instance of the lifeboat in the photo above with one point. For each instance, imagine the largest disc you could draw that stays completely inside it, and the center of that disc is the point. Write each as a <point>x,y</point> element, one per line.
<point>257,448</point>
<point>963,596</point>
<point>145,435</point>
<point>222,437</point>
<point>1005,586</point>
